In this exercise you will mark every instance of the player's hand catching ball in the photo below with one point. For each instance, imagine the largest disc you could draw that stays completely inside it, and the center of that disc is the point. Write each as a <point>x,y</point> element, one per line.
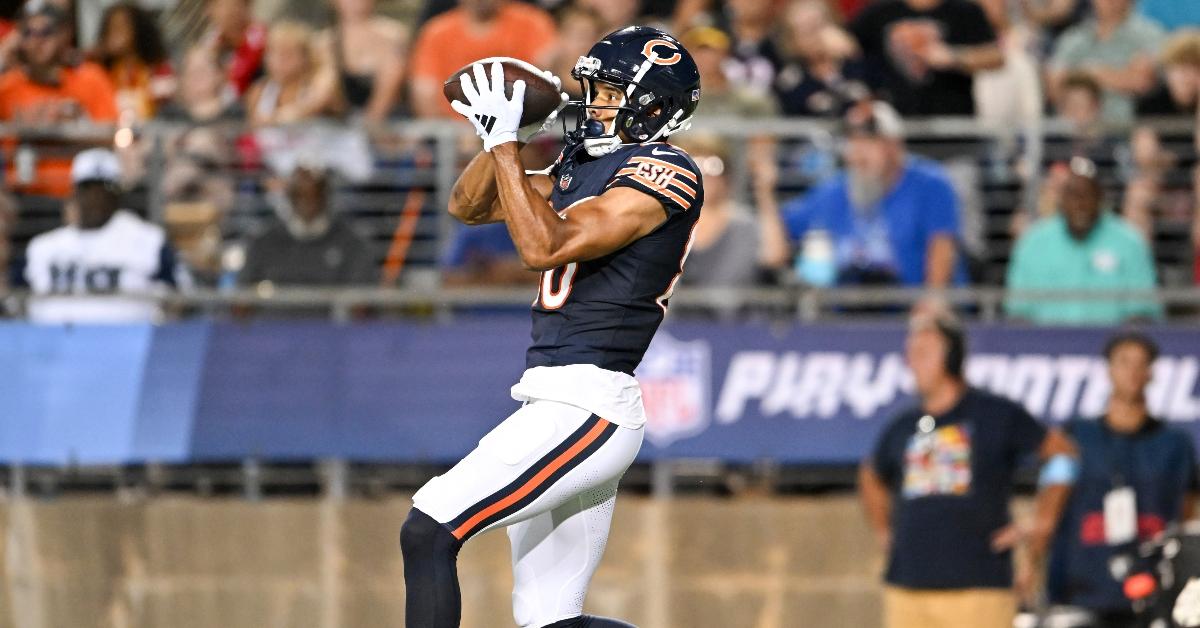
<point>495,116</point>
<point>478,96</point>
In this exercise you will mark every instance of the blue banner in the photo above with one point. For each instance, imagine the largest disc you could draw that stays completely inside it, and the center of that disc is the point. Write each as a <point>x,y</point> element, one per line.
<point>410,392</point>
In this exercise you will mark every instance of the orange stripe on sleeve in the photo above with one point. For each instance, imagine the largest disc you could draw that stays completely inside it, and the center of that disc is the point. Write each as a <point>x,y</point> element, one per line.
<point>678,199</point>
<point>684,203</point>
<point>685,187</point>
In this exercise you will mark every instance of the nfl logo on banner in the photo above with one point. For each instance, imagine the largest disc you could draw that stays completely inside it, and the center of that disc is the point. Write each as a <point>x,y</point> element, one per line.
<point>674,377</point>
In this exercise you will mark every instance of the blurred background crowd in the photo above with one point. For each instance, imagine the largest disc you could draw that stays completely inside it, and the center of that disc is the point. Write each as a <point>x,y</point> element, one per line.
<point>1032,144</point>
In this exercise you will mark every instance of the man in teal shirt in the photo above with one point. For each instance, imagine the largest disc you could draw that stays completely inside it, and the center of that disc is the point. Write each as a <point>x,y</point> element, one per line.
<point>1082,248</point>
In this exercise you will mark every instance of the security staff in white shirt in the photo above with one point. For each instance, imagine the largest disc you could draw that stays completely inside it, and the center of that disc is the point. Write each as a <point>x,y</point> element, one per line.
<point>110,267</point>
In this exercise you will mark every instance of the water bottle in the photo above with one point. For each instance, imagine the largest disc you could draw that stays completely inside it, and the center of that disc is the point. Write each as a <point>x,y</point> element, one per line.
<point>233,259</point>
<point>815,264</point>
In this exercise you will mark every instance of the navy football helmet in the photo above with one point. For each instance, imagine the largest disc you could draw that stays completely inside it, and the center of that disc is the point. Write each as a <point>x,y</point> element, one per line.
<point>658,77</point>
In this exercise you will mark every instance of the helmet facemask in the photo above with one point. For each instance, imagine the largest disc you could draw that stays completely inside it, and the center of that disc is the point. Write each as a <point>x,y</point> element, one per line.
<point>599,137</point>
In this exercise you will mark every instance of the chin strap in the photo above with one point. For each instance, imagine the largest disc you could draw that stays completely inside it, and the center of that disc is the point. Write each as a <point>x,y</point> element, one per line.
<point>601,146</point>
<point>610,141</point>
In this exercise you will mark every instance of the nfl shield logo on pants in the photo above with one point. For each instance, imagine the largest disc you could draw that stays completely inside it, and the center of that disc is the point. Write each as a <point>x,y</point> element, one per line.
<point>674,377</point>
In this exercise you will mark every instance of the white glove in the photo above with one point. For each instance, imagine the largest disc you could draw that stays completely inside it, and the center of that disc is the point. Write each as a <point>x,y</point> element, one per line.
<point>494,116</point>
<point>527,132</point>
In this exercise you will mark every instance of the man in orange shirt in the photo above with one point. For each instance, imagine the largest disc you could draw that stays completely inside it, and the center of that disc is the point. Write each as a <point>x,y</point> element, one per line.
<point>47,87</point>
<point>474,30</point>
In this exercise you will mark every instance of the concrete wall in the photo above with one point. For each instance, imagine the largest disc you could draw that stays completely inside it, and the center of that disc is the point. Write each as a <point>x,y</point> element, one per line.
<point>181,562</point>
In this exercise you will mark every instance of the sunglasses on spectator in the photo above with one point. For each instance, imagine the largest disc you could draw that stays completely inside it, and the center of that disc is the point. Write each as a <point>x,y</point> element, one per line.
<point>36,33</point>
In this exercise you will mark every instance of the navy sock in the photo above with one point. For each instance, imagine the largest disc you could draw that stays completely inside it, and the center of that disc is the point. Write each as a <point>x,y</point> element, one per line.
<point>432,595</point>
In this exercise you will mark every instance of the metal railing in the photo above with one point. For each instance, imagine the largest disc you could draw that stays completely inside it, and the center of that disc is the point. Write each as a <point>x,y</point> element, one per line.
<point>798,303</point>
<point>1006,162</point>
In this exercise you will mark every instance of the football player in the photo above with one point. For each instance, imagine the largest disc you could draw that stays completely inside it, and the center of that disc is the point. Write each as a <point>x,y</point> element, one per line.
<point>609,226</point>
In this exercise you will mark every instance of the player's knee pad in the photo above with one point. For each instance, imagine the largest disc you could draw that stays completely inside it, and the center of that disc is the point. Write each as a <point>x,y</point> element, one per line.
<point>422,539</point>
<point>590,621</point>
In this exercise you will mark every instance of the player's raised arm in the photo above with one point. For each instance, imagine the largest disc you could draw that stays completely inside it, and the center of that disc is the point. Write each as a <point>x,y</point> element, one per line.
<point>473,198</point>
<point>591,229</point>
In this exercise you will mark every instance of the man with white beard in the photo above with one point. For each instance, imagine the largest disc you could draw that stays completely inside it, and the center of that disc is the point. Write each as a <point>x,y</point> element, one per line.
<point>888,218</point>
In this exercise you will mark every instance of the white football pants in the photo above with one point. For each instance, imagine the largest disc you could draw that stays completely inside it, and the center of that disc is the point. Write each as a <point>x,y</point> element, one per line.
<point>549,473</point>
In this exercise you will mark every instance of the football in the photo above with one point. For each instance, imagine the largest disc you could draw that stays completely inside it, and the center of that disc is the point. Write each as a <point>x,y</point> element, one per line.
<point>541,96</point>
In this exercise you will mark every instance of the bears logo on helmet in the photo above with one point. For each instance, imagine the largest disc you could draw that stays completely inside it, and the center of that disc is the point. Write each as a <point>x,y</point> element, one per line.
<point>657,77</point>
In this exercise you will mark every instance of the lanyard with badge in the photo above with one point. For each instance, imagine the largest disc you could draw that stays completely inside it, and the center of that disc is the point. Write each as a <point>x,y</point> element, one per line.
<point>1120,502</point>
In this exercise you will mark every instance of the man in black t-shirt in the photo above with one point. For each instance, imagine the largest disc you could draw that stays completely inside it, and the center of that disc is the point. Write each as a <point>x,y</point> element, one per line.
<point>307,245</point>
<point>921,55</point>
<point>936,490</point>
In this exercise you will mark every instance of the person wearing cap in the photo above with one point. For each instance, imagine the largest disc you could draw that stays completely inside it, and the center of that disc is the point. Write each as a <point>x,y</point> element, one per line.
<point>891,217</point>
<point>110,265</point>
<point>710,48</point>
<point>937,484</point>
<point>306,245</point>
<point>49,86</point>
<point>1126,457</point>
<point>1082,247</point>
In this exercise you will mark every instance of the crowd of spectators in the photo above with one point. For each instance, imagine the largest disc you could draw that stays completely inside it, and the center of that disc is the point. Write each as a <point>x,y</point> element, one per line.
<point>808,57</point>
<point>1093,68</point>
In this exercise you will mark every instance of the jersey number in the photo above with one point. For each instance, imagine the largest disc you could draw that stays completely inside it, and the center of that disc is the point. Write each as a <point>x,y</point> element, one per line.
<point>553,294</point>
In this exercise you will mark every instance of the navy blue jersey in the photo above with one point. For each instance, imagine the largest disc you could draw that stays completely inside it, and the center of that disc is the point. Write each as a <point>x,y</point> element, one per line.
<point>605,311</point>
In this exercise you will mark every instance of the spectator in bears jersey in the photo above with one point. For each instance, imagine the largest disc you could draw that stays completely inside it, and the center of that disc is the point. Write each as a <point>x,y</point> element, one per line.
<point>1126,455</point>
<point>50,86</point>
<point>77,272</point>
<point>753,57</point>
<point>819,75</point>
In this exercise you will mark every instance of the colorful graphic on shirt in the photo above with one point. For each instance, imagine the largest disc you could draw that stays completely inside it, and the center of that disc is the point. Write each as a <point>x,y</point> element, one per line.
<point>938,463</point>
